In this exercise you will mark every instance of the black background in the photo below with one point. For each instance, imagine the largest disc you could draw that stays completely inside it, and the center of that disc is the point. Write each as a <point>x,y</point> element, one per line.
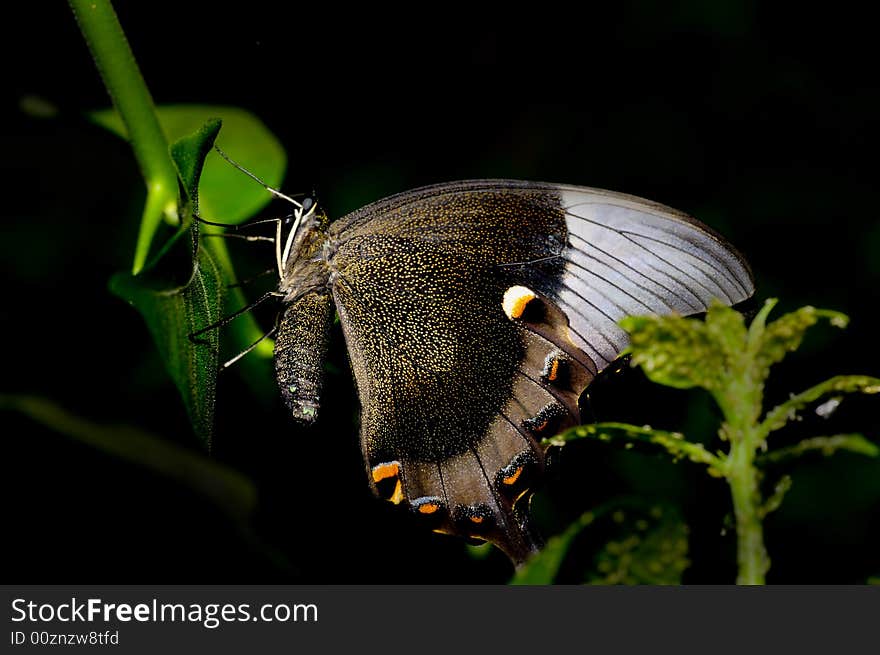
<point>757,118</point>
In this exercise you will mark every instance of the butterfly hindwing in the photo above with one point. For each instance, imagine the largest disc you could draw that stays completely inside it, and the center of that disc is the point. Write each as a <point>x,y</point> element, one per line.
<point>476,313</point>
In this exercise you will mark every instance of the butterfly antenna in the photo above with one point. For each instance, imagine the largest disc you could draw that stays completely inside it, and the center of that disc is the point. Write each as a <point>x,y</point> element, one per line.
<point>282,252</point>
<point>272,190</point>
<point>284,220</point>
<point>250,280</point>
<point>243,237</point>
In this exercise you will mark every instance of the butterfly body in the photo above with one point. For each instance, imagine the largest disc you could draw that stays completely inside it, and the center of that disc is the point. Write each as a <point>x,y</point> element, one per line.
<point>475,314</point>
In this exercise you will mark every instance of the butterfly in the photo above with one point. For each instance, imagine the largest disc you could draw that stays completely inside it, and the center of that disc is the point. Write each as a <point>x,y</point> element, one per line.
<point>475,314</point>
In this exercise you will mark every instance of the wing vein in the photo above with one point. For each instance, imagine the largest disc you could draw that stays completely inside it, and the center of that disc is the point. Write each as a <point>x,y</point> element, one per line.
<point>597,330</point>
<point>642,246</point>
<point>552,393</point>
<point>691,255</point>
<point>624,311</point>
<point>633,282</point>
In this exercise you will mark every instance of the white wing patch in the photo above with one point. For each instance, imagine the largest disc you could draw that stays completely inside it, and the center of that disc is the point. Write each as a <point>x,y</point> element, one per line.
<point>626,256</point>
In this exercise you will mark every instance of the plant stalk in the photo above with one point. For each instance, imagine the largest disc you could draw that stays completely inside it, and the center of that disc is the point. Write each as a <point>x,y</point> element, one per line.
<point>119,70</point>
<point>742,476</point>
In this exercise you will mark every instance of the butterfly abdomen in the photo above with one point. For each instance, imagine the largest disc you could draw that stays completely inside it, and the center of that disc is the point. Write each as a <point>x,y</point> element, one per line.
<point>300,349</point>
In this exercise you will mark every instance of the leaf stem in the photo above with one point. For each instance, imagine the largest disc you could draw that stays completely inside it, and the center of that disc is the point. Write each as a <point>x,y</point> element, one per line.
<point>118,68</point>
<point>854,443</point>
<point>782,414</point>
<point>674,442</point>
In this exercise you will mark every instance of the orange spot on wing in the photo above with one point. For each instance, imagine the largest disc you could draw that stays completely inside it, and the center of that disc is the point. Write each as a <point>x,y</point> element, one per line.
<point>476,519</point>
<point>516,299</point>
<point>428,508</point>
<point>397,496</point>
<point>513,477</point>
<point>520,306</point>
<point>387,470</point>
<point>554,370</point>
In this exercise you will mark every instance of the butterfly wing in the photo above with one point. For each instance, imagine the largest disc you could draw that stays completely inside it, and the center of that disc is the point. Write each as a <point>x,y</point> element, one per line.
<point>476,313</point>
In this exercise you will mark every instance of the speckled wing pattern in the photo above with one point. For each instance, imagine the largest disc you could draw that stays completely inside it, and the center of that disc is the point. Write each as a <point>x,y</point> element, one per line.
<point>476,313</point>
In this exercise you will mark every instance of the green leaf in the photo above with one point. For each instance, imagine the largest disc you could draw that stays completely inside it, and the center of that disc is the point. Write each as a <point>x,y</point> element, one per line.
<point>784,335</point>
<point>172,314</point>
<point>854,443</point>
<point>542,568</point>
<point>774,500</point>
<point>174,311</point>
<point>788,411</point>
<point>649,545</point>
<point>759,324</point>
<point>651,549</point>
<point>479,551</point>
<point>189,153</point>
<point>673,442</point>
<point>229,489</point>
<point>226,195</point>
<point>675,351</point>
<point>727,329</point>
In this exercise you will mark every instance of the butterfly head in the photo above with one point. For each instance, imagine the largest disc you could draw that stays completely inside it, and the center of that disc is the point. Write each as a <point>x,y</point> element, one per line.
<point>313,214</point>
<point>301,260</point>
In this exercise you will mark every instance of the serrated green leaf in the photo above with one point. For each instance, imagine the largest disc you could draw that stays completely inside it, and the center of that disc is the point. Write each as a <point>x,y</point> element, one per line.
<point>674,351</point>
<point>652,548</point>
<point>758,325</point>
<point>774,500</point>
<point>673,442</point>
<point>784,335</point>
<point>726,327</point>
<point>649,546</point>
<point>542,568</point>
<point>854,443</point>
<point>789,410</point>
